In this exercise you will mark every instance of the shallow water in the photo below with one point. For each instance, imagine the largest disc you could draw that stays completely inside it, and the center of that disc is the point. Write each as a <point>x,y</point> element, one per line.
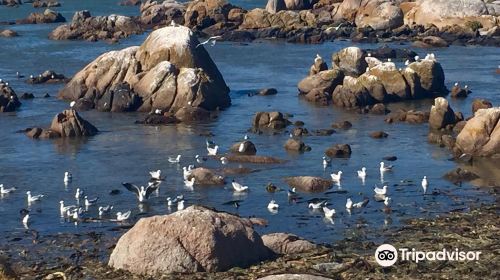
<point>124,151</point>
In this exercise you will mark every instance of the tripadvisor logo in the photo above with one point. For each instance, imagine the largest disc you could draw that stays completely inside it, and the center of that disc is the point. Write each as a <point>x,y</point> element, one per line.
<point>387,255</point>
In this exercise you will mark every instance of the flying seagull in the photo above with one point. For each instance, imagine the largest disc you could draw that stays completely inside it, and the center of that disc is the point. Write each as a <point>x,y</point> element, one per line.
<point>212,39</point>
<point>141,193</point>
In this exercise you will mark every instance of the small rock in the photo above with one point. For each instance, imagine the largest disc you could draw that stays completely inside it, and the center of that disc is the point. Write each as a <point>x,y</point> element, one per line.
<point>27,96</point>
<point>460,175</point>
<point>299,131</point>
<point>342,125</point>
<point>8,33</point>
<point>390,158</point>
<point>378,134</point>
<point>285,243</point>
<point>309,183</point>
<point>296,145</point>
<point>339,151</point>
<point>268,91</point>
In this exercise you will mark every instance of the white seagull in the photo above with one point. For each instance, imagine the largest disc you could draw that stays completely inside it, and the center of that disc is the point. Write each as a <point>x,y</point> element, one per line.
<point>64,209</point>
<point>199,159</point>
<point>336,177</point>
<point>175,159</point>
<point>180,205</point>
<point>326,162</point>
<point>72,104</point>
<point>316,205</point>
<point>26,220</point>
<point>246,137</point>
<point>362,173</point>
<point>318,59</point>
<point>380,191</point>
<point>120,217</point>
<point>6,191</point>
<point>155,175</point>
<point>239,187</point>
<point>292,192</point>
<point>68,177</point>
<point>348,204</point>
<point>90,202</point>
<point>425,184</point>
<point>79,194</point>
<point>212,151</point>
<point>212,39</point>
<point>384,168</point>
<point>141,193</point>
<point>387,201</point>
<point>273,205</point>
<point>185,172</point>
<point>329,213</point>
<point>34,198</point>
<point>224,160</point>
<point>241,148</point>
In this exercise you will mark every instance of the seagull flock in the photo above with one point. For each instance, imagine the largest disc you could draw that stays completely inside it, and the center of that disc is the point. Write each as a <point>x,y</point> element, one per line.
<point>78,211</point>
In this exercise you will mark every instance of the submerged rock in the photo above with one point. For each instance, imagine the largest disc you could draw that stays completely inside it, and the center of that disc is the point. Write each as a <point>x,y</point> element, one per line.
<point>309,183</point>
<point>167,72</point>
<point>8,98</point>
<point>244,148</point>
<point>192,240</point>
<point>458,175</point>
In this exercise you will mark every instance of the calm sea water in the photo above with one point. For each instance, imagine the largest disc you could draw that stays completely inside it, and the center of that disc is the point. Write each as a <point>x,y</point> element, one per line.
<point>124,151</point>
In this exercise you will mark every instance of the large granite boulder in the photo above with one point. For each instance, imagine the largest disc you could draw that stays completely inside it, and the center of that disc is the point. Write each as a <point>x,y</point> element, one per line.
<point>65,124</point>
<point>350,60</point>
<point>169,71</point>
<point>481,134</point>
<point>379,15</point>
<point>9,101</point>
<point>192,240</point>
<point>441,114</point>
<point>201,14</point>
<point>84,26</point>
<point>274,6</point>
<point>324,81</point>
<point>205,176</point>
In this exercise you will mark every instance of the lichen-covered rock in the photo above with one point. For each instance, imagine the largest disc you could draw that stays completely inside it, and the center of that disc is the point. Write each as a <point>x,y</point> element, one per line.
<point>481,135</point>
<point>167,72</point>
<point>192,240</point>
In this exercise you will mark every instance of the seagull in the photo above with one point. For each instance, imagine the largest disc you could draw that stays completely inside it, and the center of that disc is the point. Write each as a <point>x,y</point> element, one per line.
<point>348,204</point>
<point>241,148</point>
<point>362,173</point>
<point>6,191</point>
<point>212,151</point>
<point>212,39</point>
<point>122,217</point>
<point>292,192</point>
<point>180,205</point>
<point>388,60</point>
<point>34,198</point>
<point>190,183</point>
<point>407,62</point>
<point>52,76</point>
<point>384,168</point>
<point>199,159</point>
<point>141,193</point>
<point>417,58</point>
<point>318,59</point>
<point>361,203</point>
<point>387,201</point>
<point>75,213</point>
<point>158,112</point>
<point>79,194</point>
<point>273,205</point>
<point>186,172</point>
<point>174,160</point>
<point>90,202</point>
<point>369,54</point>
<point>380,191</point>
<point>316,205</point>
<point>170,202</point>
<point>246,137</point>
<point>103,210</point>
<point>68,177</point>
<point>328,212</point>
<point>224,160</point>
<point>65,209</point>
<point>172,23</point>
<point>336,177</point>
<point>155,175</point>
<point>326,162</point>
<point>425,184</point>
<point>26,221</point>
<point>72,104</point>
<point>239,187</point>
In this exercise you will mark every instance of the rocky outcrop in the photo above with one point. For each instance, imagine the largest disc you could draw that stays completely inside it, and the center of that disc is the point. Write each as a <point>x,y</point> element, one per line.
<point>11,3</point>
<point>244,148</point>
<point>441,116</point>
<point>378,14</point>
<point>192,240</point>
<point>47,77</point>
<point>45,4</point>
<point>86,27</point>
<point>285,243</point>
<point>48,16</point>
<point>65,124</point>
<point>481,135</point>
<point>309,183</point>
<point>205,176</point>
<point>409,116</point>
<point>359,80</point>
<point>130,3</point>
<point>8,98</point>
<point>480,104</point>
<point>167,72</point>
<point>269,121</point>
<point>212,16</point>
<point>161,13</point>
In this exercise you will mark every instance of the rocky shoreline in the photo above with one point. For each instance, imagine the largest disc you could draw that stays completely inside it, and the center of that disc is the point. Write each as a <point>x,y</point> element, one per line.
<point>77,256</point>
